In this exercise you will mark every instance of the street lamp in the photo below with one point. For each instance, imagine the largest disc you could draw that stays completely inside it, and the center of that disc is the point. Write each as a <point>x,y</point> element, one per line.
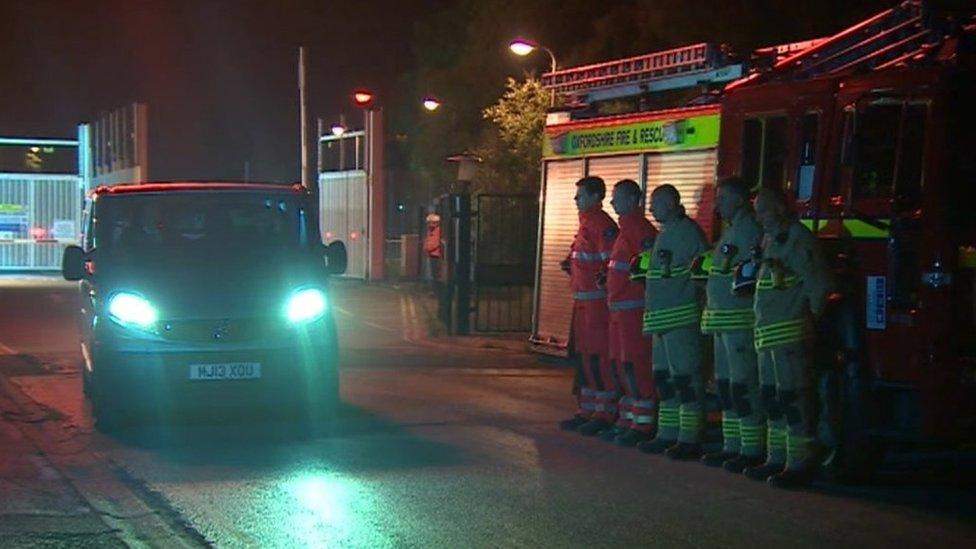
<point>363,98</point>
<point>431,104</point>
<point>522,47</point>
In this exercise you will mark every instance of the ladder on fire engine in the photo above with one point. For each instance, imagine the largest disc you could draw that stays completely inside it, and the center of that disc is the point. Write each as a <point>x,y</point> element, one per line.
<point>887,39</point>
<point>683,61</point>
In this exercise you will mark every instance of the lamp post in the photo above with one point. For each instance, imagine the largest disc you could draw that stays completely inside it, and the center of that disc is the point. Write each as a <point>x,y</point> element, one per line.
<point>522,47</point>
<point>376,183</point>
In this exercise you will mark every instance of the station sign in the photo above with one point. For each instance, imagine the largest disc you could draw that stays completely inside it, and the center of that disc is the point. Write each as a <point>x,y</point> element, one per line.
<point>660,135</point>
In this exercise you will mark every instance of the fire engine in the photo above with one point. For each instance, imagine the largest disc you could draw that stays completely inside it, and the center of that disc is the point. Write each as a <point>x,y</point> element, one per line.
<point>868,130</point>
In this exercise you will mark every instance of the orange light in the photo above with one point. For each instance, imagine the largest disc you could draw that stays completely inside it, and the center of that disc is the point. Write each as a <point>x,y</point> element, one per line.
<point>362,98</point>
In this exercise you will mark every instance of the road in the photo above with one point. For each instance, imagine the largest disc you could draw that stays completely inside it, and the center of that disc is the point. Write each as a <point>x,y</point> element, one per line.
<point>449,446</point>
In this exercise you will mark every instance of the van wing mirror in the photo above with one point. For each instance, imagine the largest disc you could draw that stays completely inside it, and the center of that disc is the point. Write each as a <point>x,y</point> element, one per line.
<point>336,258</point>
<point>73,263</point>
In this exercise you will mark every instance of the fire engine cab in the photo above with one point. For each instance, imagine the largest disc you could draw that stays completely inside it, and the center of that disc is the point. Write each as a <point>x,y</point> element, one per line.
<point>868,130</point>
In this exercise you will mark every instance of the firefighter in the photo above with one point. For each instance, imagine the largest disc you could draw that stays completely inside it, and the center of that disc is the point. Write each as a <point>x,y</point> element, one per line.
<point>672,314</point>
<point>630,350</point>
<point>586,265</point>
<point>730,320</point>
<point>791,291</point>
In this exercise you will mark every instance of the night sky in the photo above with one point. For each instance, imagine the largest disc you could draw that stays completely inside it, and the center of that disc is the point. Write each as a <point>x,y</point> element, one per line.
<point>220,78</point>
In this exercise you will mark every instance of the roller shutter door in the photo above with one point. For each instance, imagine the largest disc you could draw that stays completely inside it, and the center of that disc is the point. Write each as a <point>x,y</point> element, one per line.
<point>553,302</point>
<point>693,173</point>
<point>613,169</point>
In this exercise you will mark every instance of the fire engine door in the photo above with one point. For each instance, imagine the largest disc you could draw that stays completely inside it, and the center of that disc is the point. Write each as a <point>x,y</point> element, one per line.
<point>885,156</point>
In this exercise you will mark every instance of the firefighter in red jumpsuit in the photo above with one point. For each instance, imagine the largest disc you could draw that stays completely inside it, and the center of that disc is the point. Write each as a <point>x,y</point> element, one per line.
<point>587,264</point>
<point>630,349</point>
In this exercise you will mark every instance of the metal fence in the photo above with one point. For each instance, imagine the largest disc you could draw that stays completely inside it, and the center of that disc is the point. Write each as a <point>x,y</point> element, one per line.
<point>40,214</point>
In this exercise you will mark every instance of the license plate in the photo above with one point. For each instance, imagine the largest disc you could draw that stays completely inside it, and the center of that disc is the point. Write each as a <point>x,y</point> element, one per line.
<point>229,370</point>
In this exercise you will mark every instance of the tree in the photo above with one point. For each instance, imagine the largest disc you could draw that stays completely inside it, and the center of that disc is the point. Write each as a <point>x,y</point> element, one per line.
<point>512,147</point>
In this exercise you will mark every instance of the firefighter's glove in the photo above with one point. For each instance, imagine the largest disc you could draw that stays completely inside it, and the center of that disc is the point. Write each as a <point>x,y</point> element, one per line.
<point>701,266</point>
<point>639,264</point>
<point>566,266</point>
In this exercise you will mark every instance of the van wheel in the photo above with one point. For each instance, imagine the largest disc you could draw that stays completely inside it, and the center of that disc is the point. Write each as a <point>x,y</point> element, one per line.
<point>107,416</point>
<point>86,382</point>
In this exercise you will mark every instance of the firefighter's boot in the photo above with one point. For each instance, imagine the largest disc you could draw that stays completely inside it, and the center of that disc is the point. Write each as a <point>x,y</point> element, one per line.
<point>612,433</point>
<point>716,459</point>
<point>573,423</point>
<point>792,478</point>
<point>684,451</point>
<point>631,438</point>
<point>593,427</point>
<point>765,471</point>
<point>738,464</point>
<point>656,446</point>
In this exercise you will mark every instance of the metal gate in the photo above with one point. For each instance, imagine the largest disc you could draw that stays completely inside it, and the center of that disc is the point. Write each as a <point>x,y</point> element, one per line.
<point>504,265</point>
<point>344,216</point>
<point>40,214</point>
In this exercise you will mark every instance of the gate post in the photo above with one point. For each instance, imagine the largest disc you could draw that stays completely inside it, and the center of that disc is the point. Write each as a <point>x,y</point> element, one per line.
<point>461,211</point>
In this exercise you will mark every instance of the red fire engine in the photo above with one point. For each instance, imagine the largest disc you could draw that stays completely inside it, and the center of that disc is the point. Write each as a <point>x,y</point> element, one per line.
<point>869,130</point>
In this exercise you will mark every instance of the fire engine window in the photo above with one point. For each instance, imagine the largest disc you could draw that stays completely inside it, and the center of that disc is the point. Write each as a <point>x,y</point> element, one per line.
<point>808,147</point>
<point>774,153</point>
<point>909,185</point>
<point>876,131</point>
<point>752,134</point>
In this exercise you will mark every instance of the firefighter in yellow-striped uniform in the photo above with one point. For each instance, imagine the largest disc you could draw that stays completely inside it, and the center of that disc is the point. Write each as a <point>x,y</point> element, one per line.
<point>729,318</point>
<point>791,290</point>
<point>671,315</point>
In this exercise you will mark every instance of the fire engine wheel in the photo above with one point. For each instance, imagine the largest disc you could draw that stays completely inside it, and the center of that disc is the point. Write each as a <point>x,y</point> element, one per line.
<point>855,461</point>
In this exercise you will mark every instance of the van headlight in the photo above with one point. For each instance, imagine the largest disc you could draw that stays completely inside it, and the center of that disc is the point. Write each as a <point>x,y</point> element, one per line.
<point>306,305</point>
<point>132,310</point>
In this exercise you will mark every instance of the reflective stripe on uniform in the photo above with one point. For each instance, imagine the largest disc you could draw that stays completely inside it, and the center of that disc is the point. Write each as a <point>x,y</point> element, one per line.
<point>590,296</point>
<point>781,333</point>
<point>672,317</point>
<point>589,406</point>
<point>606,395</point>
<point>667,416</point>
<point>617,265</point>
<point>655,274</point>
<point>691,420</point>
<point>627,305</point>
<point>731,427</point>
<point>770,284</point>
<point>720,320</point>
<point>643,419</point>
<point>590,256</point>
